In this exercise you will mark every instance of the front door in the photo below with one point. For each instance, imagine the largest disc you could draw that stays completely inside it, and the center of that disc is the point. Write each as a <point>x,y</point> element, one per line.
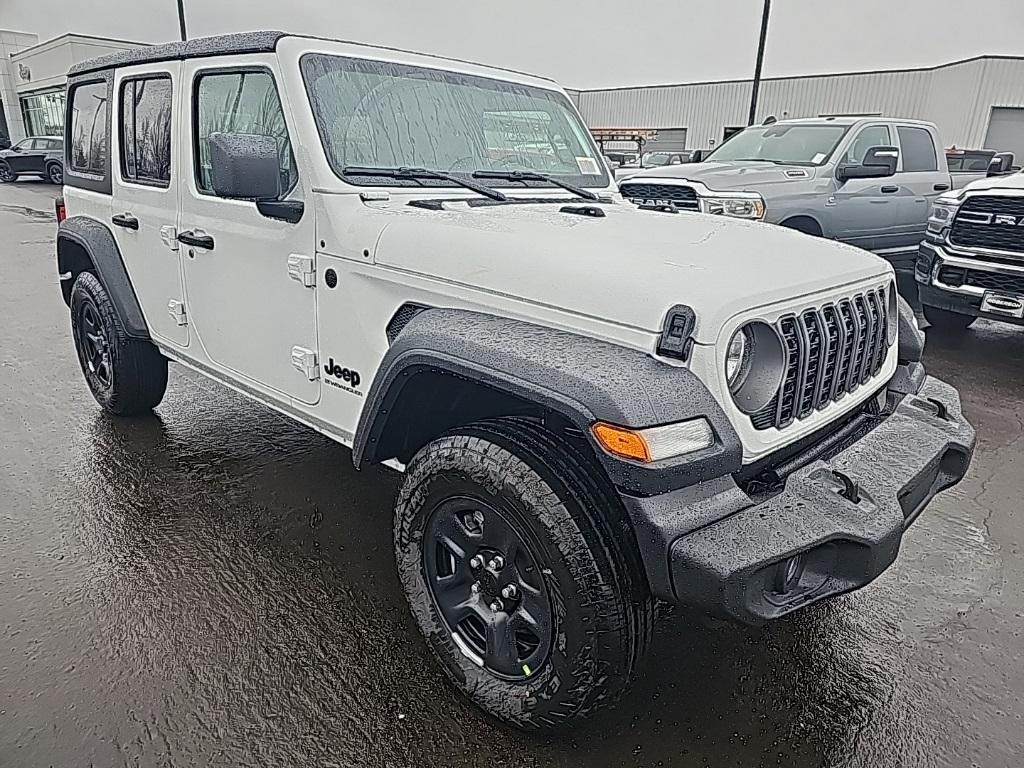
<point>28,157</point>
<point>864,210</point>
<point>249,307</point>
<point>146,181</point>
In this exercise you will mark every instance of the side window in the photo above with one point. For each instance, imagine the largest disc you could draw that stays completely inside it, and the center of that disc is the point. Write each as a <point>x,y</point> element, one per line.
<point>918,149</point>
<point>146,130</point>
<point>239,102</point>
<point>89,128</point>
<point>872,136</point>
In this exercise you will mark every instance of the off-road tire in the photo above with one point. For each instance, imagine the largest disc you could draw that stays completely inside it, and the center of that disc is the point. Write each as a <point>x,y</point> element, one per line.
<point>570,517</point>
<point>133,375</point>
<point>945,321</point>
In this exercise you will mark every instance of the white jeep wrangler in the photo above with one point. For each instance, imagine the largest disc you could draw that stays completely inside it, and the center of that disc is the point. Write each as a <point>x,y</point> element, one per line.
<point>594,408</point>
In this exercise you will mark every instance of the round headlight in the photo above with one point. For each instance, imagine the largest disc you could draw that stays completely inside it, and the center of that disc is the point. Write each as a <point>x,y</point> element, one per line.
<point>892,320</point>
<point>736,358</point>
<point>754,366</point>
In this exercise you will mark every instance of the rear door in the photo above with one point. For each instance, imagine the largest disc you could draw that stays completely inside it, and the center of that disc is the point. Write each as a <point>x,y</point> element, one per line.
<point>920,180</point>
<point>864,210</point>
<point>147,136</point>
<point>248,277</point>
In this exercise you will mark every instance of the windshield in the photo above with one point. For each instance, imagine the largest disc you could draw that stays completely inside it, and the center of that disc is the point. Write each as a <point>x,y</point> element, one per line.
<point>387,115</point>
<point>790,144</point>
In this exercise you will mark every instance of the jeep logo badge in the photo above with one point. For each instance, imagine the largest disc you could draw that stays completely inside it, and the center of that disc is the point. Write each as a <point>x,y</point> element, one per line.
<point>344,374</point>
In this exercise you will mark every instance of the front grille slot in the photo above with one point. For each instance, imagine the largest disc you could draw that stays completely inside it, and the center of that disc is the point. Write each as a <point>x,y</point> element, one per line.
<point>681,197</point>
<point>990,222</point>
<point>980,278</point>
<point>831,350</point>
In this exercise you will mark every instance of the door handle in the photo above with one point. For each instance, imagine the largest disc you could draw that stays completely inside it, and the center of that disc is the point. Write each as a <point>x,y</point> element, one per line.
<point>125,220</point>
<point>198,241</point>
<point>940,187</point>
<point>888,190</point>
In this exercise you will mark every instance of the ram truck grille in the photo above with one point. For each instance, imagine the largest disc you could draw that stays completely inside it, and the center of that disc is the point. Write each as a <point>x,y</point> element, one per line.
<point>978,278</point>
<point>987,221</point>
<point>660,195</point>
<point>831,351</point>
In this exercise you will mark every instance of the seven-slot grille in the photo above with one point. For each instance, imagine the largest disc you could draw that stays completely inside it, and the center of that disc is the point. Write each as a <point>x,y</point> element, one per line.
<point>1002,232</point>
<point>830,351</point>
<point>684,198</point>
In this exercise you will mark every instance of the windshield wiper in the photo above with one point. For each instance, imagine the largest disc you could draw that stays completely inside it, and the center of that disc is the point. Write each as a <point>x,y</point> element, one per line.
<point>423,173</point>
<point>525,176</point>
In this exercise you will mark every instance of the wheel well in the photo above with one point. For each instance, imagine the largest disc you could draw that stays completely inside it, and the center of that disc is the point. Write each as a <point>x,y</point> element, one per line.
<point>434,402</point>
<point>74,259</point>
<point>806,224</point>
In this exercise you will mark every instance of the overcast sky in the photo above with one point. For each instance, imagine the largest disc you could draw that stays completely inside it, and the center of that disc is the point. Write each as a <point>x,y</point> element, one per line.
<point>585,43</point>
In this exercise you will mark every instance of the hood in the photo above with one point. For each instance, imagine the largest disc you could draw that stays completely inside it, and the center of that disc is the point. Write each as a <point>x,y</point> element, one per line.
<point>628,267</point>
<point>729,176</point>
<point>1013,181</point>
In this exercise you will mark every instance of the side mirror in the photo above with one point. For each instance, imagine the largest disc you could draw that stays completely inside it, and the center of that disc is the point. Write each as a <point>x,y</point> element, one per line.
<point>15,148</point>
<point>697,156</point>
<point>879,162</point>
<point>1000,164</point>
<point>244,166</point>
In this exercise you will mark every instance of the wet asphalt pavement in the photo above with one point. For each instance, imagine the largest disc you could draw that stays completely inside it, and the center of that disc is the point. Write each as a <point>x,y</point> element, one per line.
<point>215,587</point>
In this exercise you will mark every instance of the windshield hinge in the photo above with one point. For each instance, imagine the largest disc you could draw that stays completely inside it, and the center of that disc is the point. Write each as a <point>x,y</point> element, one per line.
<point>305,361</point>
<point>303,269</point>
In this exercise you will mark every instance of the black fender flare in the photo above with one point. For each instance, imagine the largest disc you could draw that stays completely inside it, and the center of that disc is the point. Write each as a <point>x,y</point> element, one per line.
<point>583,379</point>
<point>98,243</point>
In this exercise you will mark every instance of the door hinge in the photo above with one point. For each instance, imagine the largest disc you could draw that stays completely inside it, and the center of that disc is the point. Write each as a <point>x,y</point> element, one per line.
<point>305,361</point>
<point>176,309</point>
<point>169,235</point>
<point>303,269</point>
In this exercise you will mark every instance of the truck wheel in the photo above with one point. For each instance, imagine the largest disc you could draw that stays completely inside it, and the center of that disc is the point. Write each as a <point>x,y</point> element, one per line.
<point>522,573</point>
<point>126,376</point>
<point>946,321</point>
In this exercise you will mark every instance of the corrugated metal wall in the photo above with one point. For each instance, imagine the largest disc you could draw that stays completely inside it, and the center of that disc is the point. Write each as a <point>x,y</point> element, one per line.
<point>957,97</point>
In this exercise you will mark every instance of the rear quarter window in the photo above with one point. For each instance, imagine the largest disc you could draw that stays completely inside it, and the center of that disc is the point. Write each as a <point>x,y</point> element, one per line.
<point>87,135</point>
<point>918,149</point>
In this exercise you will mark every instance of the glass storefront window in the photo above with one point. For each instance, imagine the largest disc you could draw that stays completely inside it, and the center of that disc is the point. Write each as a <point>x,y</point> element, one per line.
<point>43,114</point>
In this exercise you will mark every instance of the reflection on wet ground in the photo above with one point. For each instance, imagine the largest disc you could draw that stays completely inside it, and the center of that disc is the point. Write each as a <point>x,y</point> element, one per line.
<point>215,586</point>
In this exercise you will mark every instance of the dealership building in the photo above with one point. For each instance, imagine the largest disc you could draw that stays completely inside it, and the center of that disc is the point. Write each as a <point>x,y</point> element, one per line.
<point>33,76</point>
<point>976,103</point>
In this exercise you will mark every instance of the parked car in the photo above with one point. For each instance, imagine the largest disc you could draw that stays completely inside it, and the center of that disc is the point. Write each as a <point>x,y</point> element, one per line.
<point>593,407</point>
<point>35,156</point>
<point>968,165</point>
<point>653,159</point>
<point>869,182</point>
<point>970,263</point>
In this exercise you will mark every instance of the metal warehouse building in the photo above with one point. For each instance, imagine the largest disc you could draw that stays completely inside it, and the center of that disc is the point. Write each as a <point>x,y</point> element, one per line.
<point>976,102</point>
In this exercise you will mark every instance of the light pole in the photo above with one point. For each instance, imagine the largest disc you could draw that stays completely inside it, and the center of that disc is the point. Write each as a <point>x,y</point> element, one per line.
<point>757,67</point>
<point>181,20</point>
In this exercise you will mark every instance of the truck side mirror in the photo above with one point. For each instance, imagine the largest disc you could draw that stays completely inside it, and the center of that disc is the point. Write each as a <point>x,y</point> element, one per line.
<point>879,162</point>
<point>1000,164</point>
<point>697,156</point>
<point>244,166</point>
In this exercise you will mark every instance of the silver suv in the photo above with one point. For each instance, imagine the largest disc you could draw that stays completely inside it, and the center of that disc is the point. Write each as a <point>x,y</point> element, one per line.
<point>869,182</point>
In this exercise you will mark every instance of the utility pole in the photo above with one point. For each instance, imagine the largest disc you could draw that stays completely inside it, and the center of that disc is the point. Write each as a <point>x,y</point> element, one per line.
<point>757,67</point>
<point>184,36</point>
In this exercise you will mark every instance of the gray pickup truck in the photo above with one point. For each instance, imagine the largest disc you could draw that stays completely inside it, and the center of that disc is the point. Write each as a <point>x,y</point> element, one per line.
<point>869,182</point>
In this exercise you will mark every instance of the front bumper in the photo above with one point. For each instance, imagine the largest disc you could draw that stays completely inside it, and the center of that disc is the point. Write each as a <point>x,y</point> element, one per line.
<point>717,548</point>
<point>963,299</point>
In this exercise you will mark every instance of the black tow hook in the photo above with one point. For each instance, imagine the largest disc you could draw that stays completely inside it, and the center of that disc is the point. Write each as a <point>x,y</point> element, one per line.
<point>850,490</point>
<point>940,408</point>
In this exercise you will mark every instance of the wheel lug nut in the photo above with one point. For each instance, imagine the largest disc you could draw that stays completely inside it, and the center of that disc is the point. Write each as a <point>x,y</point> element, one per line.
<point>497,563</point>
<point>475,589</point>
<point>476,562</point>
<point>497,605</point>
<point>509,592</point>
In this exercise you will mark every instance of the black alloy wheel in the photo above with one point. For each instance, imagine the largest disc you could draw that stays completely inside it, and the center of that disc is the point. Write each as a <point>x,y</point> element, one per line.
<point>55,174</point>
<point>93,342</point>
<point>487,585</point>
<point>6,174</point>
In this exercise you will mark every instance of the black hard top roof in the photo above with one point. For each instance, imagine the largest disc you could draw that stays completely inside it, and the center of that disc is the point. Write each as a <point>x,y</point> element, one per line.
<point>220,45</point>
